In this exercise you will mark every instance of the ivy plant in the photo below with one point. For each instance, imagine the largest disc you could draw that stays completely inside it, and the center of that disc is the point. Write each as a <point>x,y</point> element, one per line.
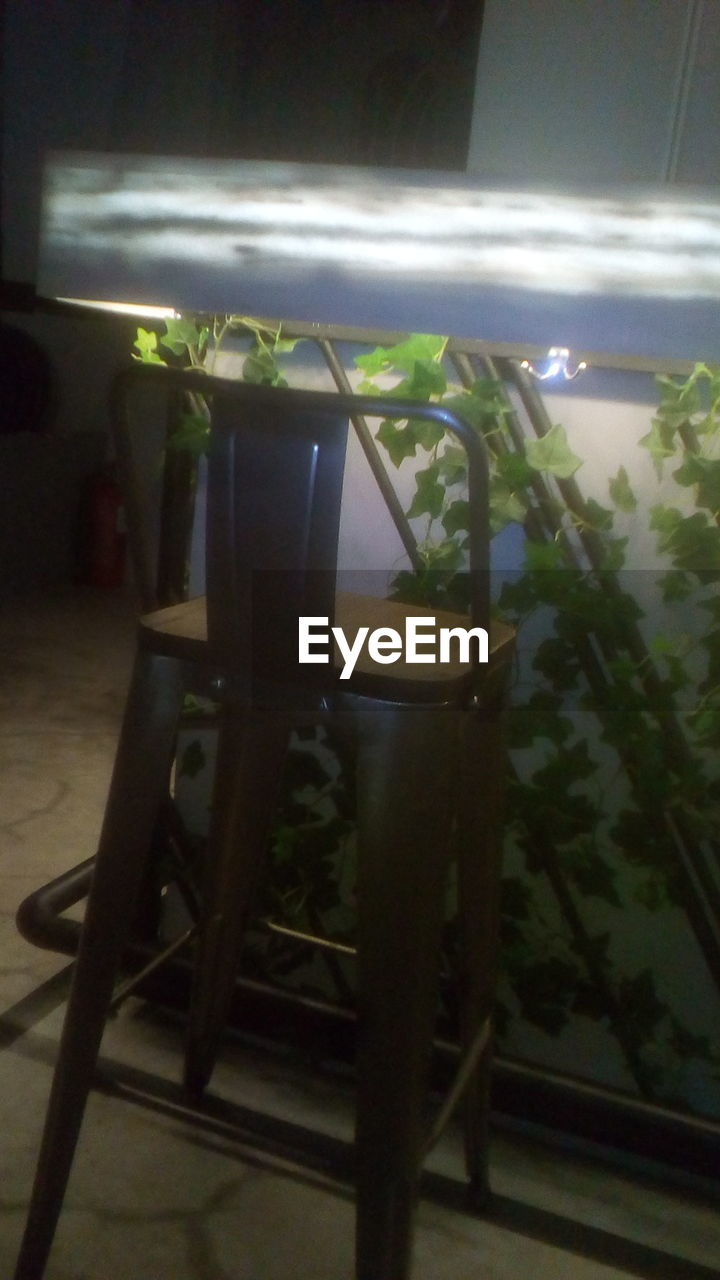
<point>614,793</point>
<point>197,343</point>
<point>600,701</point>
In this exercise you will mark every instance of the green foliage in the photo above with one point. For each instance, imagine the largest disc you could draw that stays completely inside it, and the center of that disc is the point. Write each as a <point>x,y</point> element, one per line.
<point>544,990</point>
<point>401,441</point>
<point>192,434</point>
<point>420,348</point>
<point>185,337</point>
<point>594,707</point>
<point>588,662</point>
<point>429,494</point>
<point>146,342</point>
<point>553,454</point>
<point>196,342</point>
<point>540,717</point>
<point>660,443</point>
<point>306,887</point>
<point>621,492</point>
<point>705,474</point>
<point>261,365</point>
<point>693,542</point>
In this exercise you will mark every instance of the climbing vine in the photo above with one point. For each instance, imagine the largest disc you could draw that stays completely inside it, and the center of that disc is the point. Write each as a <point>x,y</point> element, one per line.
<point>614,792</point>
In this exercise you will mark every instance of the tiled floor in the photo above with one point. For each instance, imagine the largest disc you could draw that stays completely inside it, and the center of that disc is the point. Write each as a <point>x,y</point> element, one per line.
<point>154,1197</point>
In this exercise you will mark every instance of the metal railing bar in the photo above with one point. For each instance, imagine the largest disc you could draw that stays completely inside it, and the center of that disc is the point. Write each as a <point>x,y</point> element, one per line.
<point>606,360</point>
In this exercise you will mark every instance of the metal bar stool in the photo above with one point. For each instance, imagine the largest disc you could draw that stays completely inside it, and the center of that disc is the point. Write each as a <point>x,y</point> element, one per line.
<point>428,763</point>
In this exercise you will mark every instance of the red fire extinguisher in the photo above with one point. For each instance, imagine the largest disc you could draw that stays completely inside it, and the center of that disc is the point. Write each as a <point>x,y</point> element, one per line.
<point>105,532</point>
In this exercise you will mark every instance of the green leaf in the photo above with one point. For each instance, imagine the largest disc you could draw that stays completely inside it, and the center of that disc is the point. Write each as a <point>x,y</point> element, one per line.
<point>398,440</point>
<point>614,554</point>
<point>705,473</point>
<point>557,659</point>
<point>662,644</point>
<point>505,505</point>
<point>659,443</point>
<point>621,492</point>
<point>181,334</point>
<point>490,393</point>
<point>597,517</point>
<point>304,770</point>
<point>553,453</point>
<point>413,587</point>
<point>457,517</point>
<point>705,721</point>
<point>665,519</point>
<point>713,607</point>
<point>675,585</point>
<point>693,543</point>
<point>519,597</point>
<point>570,764</point>
<point>427,434</point>
<point>429,494</point>
<point>515,470</point>
<point>484,406</point>
<point>285,346</point>
<point>452,465</point>
<point>438,586</point>
<point>590,872</point>
<point>539,717</point>
<point>543,555</point>
<point>192,434</point>
<point>261,369</point>
<point>640,1003</point>
<point>420,358</point>
<point>403,356</point>
<point>545,991</point>
<point>146,342</point>
<point>426,379</point>
<point>285,842</point>
<point>369,388</point>
<point>651,892</point>
<point>680,401</point>
<point>446,555</point>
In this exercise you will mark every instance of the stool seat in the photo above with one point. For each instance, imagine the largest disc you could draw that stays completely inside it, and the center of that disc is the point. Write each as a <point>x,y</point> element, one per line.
<point>180,630</point>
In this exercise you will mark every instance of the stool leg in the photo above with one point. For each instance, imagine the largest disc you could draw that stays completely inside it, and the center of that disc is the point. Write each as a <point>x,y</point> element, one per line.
<point>139,783</point>
<point>252,747</point>
<point>406,777</point>
<point>482,773</point>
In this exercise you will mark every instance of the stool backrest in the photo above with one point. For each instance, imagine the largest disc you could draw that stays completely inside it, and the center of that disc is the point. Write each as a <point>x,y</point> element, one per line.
<point>273,511</point>
<point>275,478</point>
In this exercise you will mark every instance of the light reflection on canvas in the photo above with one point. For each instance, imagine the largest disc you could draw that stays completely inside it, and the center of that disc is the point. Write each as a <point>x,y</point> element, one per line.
<point>353,246</point>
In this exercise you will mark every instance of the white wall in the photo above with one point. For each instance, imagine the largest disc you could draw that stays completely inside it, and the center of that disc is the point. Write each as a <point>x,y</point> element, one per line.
<point>595,91</point>
<point>699,151</point>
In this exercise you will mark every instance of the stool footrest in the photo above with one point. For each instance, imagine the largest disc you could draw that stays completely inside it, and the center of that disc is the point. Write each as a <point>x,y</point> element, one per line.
<point>463,1077</point>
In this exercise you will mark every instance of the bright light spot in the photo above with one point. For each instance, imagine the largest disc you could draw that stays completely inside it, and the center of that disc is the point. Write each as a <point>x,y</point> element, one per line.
<point>557,367</point>
<point>146,309</point>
